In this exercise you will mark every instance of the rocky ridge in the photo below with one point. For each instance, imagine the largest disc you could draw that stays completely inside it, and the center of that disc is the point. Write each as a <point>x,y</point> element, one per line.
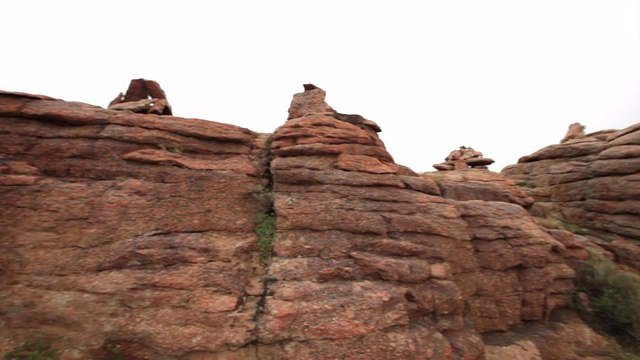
<point>589,184</point>
<point>125,227</point>
<point>137,230</point>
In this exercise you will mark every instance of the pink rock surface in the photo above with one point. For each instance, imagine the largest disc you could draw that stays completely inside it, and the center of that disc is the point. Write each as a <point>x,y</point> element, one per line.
<point>137,230</point>
<point>591,185</point>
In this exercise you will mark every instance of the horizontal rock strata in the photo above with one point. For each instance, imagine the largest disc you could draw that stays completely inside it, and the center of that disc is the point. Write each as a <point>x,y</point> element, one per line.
<point>589,185</point>
<point>119,226</point>
<point>137,231</point>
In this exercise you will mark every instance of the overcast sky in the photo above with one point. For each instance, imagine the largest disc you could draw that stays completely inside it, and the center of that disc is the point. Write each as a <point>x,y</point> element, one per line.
<point>504,77</point>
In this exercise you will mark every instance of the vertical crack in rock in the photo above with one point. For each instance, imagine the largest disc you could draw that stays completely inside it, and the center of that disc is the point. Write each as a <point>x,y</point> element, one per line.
<point>371,260</point>
<point>265,229</point>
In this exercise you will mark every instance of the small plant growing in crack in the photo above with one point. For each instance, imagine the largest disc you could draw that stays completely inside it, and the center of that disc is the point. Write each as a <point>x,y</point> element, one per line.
<point>269,154</point>
<point>263,194</point>
<point>33,350</point>
<point>173,149</point>
<point>266,220</point>
<point>266,230</point>
<point>114,352</point>
<point>527,185</point>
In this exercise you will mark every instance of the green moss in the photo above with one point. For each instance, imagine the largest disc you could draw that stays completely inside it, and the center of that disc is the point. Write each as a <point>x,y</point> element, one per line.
<point>266,230</point>
<point>269,154</point>
<point>33,350</point>
<point>114,352</point>
<point>527,185</point>
<point>266,220</point>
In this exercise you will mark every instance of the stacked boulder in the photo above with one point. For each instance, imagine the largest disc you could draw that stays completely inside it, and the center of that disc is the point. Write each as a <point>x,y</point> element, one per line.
<point>464,158</point>
<point>142,96</point>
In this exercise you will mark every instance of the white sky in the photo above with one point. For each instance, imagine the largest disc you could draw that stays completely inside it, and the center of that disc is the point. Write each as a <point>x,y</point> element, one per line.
<point>505,77</point>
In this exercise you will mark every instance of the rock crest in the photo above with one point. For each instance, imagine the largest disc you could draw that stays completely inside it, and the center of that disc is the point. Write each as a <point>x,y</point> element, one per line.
<point>137,230</point>
<point>142,96</point>
<point>576,131</point>
<point>312,102</point>
<point>589,185</point>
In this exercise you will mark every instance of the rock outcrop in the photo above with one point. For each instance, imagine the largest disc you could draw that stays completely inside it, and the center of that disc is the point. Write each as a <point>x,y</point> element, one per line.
<point>589,185</point>
<point>142,96</point>
<point>371,262</point>
<point>120,227</point>
<point>464,158</point>
<point>135,232</point>
<point>469,184</point>
<point>576,131</point>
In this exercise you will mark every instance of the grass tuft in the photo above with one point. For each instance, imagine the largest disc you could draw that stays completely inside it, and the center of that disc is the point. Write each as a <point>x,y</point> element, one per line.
<point>33,350</point>
<point>266,230</point>
<point>614,301</point>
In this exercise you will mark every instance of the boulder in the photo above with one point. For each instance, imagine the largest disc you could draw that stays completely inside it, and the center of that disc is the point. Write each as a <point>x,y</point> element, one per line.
<point>464,158</point>
<point>142,96</point>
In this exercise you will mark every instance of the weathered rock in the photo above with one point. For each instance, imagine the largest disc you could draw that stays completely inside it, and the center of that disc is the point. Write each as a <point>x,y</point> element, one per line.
<point>565,337</point>
<point>576,131</point>
<point>520,350</point>
<point>589,185</point>
<point>464,158</point>
<point>312,102</point>
<point>120,226</point>
<point>142,96</point>
<point>347,216</point>
<point>467,184</point>
<point>136,230</point>
<point>365,164</point>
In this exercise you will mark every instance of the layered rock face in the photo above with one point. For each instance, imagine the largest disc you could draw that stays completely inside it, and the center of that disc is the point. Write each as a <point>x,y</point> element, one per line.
<point>472,184</point>
<point>371,262</point>
<point>125,227</point>
<point>137,231</point>
<point>590,182</point>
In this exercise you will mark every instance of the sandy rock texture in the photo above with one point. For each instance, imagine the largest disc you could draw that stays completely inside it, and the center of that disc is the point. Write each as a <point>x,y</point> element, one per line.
<point>125,227</point>
<point>136,232</point>
<point>589,185</point>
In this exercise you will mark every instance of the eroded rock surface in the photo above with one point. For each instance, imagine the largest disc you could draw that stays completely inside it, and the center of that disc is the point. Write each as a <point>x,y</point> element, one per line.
<point>120,226</point>
<point>589,185</point>
<point>142,96</point>
<point>370,260</point>
<point>469,184</point>
<point>566,337</point>
<point>464,158</point>
<point>137,230</point>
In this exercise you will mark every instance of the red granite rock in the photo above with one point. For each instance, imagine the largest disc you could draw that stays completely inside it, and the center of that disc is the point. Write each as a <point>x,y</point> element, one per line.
<point>142,96</point>
<point>119,226</point>
<point>479,185</point>
<point>590,185</point>
<point>137,230</point>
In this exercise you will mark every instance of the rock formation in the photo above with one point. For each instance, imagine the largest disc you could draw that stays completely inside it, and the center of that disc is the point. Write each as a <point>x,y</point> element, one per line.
<point>142,96</point>
<point>135,232</point>
<point>312,102</point>
<point>125,228</point>
<point>469,184</point>
<point>464,158</point>
<point>576,131</point>
<point>589,185</point>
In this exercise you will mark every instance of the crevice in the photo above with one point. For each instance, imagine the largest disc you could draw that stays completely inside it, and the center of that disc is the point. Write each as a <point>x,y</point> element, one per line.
<point>265,228</point>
